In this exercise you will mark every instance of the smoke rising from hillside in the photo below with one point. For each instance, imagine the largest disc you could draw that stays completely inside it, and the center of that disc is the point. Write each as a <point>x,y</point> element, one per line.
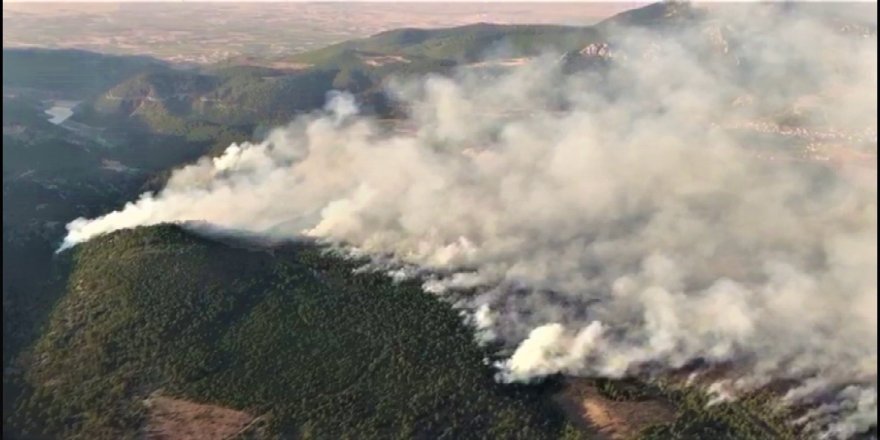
<point>610,221</point>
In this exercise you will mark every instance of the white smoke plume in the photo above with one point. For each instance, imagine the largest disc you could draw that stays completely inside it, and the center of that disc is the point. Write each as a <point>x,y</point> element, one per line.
<point>613,220</point>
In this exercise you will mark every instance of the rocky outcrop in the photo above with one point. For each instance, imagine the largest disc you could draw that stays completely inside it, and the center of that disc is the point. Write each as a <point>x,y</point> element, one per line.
<point>600,50</point>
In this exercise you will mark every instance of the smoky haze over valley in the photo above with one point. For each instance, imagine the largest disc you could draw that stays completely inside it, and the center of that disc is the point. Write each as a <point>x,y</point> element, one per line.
<point>213,32</point>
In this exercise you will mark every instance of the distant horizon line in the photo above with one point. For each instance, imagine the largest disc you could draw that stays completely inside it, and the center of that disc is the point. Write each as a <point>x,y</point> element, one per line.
<point>359,1</point>
<point>482,2</point>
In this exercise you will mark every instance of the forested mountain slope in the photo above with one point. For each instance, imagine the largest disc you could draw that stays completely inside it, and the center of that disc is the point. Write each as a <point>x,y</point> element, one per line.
<point>287,333</point>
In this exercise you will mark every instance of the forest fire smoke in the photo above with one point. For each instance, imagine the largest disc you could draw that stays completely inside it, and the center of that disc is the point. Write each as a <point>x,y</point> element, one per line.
<point>627,229</point>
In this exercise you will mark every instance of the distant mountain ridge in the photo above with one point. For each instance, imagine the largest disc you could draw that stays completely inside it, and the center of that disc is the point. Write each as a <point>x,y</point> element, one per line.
<point>156,93</point>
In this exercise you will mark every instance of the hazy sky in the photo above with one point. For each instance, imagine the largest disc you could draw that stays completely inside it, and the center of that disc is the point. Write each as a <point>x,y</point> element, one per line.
<point>322,1</point>
<point>413,1</point>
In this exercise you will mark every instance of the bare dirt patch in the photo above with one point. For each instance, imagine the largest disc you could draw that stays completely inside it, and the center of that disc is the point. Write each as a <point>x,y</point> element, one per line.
<point>611,419</point>
<point>176,419</point>
<point>289,65</point>
<point>381,60</point>
<point>506,62</point>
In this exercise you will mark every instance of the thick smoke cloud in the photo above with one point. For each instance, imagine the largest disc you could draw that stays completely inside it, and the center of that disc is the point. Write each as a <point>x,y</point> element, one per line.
<point>613,222</point>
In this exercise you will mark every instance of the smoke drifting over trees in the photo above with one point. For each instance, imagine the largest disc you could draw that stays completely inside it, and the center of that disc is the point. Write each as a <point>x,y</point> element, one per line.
<point>609,221</point>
